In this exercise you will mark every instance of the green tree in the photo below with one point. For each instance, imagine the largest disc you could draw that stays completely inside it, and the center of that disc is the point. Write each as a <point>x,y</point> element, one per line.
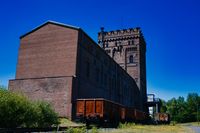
<point>163,106</point>
<point>172,108</point>
<point>192,103</point>
<point>183,111</point>
<point>17,111</point>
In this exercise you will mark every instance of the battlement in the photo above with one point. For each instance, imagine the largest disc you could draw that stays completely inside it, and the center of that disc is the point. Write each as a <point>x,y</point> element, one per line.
<point>120,34</point>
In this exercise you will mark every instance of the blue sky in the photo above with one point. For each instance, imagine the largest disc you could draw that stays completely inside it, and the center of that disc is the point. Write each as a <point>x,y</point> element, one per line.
<point>171,29</point>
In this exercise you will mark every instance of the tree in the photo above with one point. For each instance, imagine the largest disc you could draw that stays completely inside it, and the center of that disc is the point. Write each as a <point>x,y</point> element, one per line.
<point>192,103</point>
<point>17,111</point>
<point>163,106</point>
<point>183,111</point>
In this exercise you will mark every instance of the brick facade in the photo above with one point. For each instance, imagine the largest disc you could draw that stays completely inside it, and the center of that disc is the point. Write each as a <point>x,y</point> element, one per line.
<point>106,78</point>
<point>42,53</point>
<point>60,63</point>
<point>47,65</point>
<point>128,48</point>
<point>54,90</point>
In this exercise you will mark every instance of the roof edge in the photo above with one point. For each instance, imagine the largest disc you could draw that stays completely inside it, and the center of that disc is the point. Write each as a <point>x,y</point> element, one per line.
<point>50,22</point>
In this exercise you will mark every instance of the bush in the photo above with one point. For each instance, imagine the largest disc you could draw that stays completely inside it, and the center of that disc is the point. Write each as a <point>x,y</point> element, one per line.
<point>94,130</point>
<point>46,115</point>
<point>17,111</point>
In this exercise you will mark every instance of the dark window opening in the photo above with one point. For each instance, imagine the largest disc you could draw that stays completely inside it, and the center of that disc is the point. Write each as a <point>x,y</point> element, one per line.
<point>129,42</point>
<point>108,51</point>
<point>97,75</point>
<point>132,42</point>
<point>106,44</point>
<point>131,59</point>
<point>87,69</point>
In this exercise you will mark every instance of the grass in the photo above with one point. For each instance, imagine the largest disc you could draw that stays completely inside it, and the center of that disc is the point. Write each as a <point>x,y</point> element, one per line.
<point>67,123</point>
<point>190,124</point>
<point>133,128</point>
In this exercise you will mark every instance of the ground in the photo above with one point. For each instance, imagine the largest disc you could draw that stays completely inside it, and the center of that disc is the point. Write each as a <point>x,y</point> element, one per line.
<point>192,127</point>
<point>67,123</point>
<point>151,129</point>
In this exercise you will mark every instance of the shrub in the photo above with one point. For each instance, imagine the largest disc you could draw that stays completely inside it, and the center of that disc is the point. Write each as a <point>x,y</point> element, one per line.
<point>13,108</point>
<point>46,115</point>
<point>94,130</point>
<point>17,111</point>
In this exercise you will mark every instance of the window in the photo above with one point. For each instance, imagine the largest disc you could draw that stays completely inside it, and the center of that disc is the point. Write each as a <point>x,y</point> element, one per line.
<point>132,42</point>
<point>129,42</point>
<point>105,79</point>
<point>97,74</point>
<point>131,59</point>
<point>101,74</point>
<point>88,69</point>
<point>106,44</point>
<point>115,43</point>
<point>132,49</point>
<point>108,51</point>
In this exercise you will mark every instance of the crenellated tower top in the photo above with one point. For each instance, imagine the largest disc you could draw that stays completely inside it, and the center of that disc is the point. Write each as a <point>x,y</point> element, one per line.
<point>124,34</point>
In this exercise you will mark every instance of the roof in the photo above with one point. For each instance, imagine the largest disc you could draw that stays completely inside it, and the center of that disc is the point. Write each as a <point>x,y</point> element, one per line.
<point>50,22</point>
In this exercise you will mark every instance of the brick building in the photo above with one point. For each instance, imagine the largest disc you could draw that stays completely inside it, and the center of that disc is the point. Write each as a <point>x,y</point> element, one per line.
<point>128,48</point>
<point>60,63</point>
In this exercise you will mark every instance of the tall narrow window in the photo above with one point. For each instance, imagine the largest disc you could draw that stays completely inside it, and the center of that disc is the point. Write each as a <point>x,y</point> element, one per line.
<point>129,42</point>
<point>132,42</point>
<point>97,74</point>
<point>87,69</point>
<point>115,43</point>
<point>106,44</point>
<point>131,59</point>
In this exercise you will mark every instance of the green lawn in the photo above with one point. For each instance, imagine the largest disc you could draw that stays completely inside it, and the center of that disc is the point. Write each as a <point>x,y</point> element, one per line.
<point>67,123</point>
<point>136,128</point>
<point>190,124</point>
<point>150,129</point>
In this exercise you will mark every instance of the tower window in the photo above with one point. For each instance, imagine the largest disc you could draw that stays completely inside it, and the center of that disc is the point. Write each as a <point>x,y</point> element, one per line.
<point>131,59</point>
<point>108,51</point>
<point>115,43</point>
<point>106,44</point>
<point>129,42</point>
<point>132,42</point>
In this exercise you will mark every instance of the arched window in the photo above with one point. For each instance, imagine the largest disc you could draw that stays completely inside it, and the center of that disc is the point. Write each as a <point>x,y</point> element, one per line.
<point>131,59</point>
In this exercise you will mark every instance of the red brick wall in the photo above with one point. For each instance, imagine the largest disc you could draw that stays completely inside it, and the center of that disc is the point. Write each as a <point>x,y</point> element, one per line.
<point>47,52</point>
<point>46,64</point>
<point>56,91</point>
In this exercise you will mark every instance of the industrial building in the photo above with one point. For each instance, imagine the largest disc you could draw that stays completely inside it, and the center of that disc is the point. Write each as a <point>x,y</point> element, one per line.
<point>60,63</point>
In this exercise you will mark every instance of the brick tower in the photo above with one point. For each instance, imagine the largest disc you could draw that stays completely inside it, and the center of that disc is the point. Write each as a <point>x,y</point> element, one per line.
<point>128,48</point>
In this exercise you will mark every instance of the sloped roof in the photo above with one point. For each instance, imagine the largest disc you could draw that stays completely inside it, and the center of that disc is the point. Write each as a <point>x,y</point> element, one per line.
<point>51,22</point>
